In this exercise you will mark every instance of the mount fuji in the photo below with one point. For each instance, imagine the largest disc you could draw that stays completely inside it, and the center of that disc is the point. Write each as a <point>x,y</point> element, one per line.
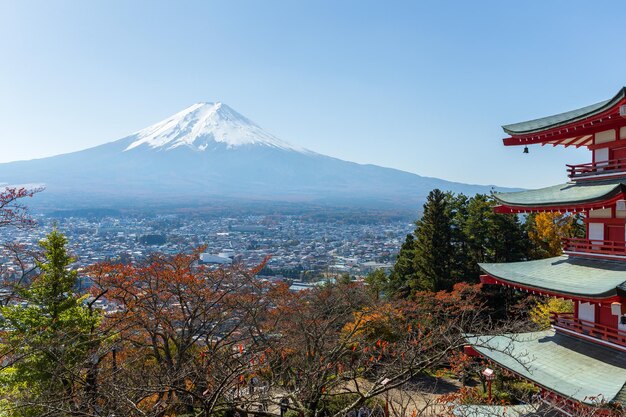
<point>209,152</point>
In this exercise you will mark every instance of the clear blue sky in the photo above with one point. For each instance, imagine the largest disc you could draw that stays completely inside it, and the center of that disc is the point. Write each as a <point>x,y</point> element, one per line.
<point>419,86</point>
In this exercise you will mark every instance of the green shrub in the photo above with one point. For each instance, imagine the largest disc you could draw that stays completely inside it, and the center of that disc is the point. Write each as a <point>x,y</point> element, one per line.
<point>335,403</point>
<point>522,390</point>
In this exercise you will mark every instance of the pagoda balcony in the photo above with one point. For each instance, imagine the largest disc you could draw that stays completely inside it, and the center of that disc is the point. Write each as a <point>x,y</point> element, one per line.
<point>588,329</point>
<point>590,170</point>
<point>595,248</point>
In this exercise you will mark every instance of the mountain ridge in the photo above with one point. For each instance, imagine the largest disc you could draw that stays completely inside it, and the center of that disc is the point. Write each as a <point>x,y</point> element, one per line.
<point>207,152</point>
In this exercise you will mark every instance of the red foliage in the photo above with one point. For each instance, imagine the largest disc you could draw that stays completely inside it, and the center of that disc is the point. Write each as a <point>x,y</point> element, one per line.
<point>186,330</point>
<point>11,211</point>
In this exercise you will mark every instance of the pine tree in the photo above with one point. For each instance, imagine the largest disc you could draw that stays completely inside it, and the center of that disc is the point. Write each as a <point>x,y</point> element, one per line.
<point>477,230</point>
<point>463,265</point>
<point>454,235</point>
<point>377,281</point>
<point>509,241</point>
<point>47,339</point>
<point>403,270</point>
<point>433,245</point>
<point>492,237</point>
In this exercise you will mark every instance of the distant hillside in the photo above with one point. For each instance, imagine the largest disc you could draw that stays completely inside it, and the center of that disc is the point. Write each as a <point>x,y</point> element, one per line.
<point>209,153</point>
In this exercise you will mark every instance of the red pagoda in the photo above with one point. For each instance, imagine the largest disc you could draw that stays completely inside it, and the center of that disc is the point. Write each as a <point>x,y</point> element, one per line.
<point>580,363</point>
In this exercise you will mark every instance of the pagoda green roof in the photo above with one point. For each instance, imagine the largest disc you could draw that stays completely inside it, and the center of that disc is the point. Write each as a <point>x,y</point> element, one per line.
<point>576,276</point>
<point>545,123</point>
<point>563,194</point>
<point>571,367</point>
<point>524,410</point>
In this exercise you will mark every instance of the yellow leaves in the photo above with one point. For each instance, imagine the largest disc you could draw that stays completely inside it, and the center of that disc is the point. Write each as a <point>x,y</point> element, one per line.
<point>540,313</point>
<point>148,402</point>
<point>189,384</point>
<point>547,231</point>
<point>380,324</point>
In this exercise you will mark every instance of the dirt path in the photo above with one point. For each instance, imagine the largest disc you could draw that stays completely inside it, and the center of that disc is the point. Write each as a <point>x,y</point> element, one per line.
<point>421,397</point>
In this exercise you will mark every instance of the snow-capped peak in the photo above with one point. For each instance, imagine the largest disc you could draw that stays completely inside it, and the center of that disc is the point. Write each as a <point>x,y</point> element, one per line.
<point>204,124</point>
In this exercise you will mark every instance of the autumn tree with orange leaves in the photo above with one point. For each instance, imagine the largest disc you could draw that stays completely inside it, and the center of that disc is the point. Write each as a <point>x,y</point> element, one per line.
<point>188,340</point>
<point>338,341</point>
<point>179,340</point>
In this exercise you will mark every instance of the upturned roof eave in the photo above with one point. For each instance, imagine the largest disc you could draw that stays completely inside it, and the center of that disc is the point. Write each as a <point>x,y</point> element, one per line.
<point>594,196</point>
<point>606,296</point>
<point>563,119</point>
<point>542,356</point>
<point>580,278</point>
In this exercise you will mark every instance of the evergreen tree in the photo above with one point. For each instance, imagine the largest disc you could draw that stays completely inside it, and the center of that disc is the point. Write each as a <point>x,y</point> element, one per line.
<point>377,281</point>
<point>477,229</point>
<point>455,234</point>
<point>47,340</point>
<point>403,270</point>
<point>463,264</point>
<point>509,240</point>
<point>434,253</point>
<point>492,237</point>
<point>344,279</point>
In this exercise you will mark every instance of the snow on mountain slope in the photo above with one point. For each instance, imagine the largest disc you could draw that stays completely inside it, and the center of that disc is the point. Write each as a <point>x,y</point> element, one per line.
<point>209,152</point>
<point>204,124</point>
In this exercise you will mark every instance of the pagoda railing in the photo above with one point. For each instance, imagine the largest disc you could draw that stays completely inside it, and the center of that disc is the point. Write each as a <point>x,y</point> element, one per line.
<point>599,331</point>
<point>596,168</point>
<point>594,246</point>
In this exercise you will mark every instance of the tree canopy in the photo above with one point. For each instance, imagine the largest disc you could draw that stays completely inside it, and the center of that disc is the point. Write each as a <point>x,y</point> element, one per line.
<point>47,338</point>
<point>454,234</point>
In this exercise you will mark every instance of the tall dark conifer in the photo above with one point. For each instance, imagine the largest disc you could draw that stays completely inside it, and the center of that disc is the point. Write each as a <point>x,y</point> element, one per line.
<point>454,235</point>
<point>462,262</point>
<point>403,271</point>
<point>433,245</point>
